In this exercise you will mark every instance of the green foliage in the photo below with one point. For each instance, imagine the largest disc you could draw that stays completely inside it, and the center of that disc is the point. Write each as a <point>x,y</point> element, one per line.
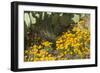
<point>46,25</point>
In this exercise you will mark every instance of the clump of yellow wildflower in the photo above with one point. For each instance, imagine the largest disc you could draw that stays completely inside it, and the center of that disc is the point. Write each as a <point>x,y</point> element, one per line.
<point>38,53</point>
<point>75,42</point>
<point>46,43</point>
